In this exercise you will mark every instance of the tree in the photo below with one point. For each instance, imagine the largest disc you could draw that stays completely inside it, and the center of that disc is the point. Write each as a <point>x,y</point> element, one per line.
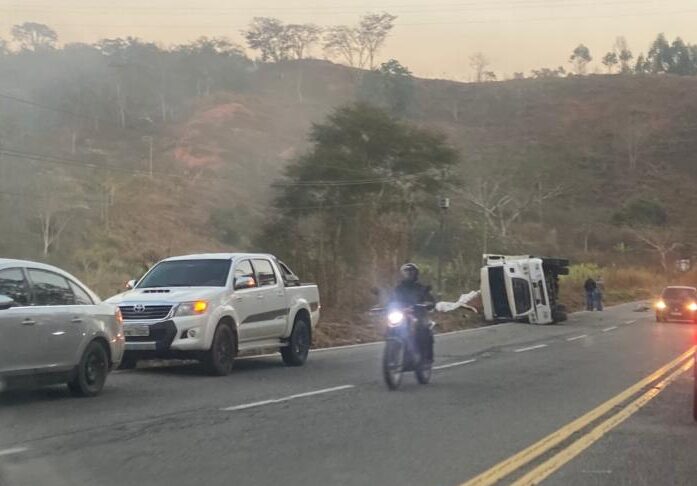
<point>660,56</point>
<point>580,58</point>
<point>610,60</point>
<point>478,63</point>
<point>647,221</point>
<point>350,202</point>
<point>220,46</point>
<point>391,86</point>
<point>624,55</point>
<point>546,73</point>
<point>373,30</point>
<point>683,62</point>
<point>642,65</point>
<point>342,42</point>
<point>301,37</point>
<point>269,36</point>
<point>31,36</point>
<point>358,46</point>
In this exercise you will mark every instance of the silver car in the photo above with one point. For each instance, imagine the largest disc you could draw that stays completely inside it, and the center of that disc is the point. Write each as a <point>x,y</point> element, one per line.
<point>54,329</point>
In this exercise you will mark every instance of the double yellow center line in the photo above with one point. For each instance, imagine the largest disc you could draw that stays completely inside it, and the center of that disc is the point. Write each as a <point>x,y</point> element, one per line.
<point>543,446</point>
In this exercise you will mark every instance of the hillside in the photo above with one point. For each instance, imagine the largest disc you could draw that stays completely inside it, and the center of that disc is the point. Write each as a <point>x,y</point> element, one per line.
<point>568,152</point>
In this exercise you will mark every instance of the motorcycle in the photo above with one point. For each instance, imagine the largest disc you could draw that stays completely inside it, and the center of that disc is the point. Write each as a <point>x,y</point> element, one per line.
<point>401,353</point>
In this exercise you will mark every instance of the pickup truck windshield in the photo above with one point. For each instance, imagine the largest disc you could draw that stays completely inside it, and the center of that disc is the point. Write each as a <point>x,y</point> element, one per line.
<point>187,273</point>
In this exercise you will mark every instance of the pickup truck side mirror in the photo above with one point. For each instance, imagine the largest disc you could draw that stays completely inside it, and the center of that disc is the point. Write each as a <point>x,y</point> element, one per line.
<point>6,302</point>
<point>242,283</point>
<point>130,284</point>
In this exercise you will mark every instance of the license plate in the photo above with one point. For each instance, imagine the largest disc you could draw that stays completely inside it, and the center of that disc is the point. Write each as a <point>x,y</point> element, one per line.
<point>136,331</point>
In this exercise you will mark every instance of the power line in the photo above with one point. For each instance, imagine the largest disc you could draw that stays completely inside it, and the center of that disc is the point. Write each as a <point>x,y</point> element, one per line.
<point>327,9</point>
<point>44,158</point>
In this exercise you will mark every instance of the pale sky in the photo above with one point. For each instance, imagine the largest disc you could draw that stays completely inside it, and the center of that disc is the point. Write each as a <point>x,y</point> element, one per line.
<point>434,38</point>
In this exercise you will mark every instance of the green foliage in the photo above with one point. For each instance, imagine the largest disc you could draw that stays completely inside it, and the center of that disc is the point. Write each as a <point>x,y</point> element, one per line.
<point>391,87</point>
<point>641,212</point>
<point>358,192</point>
<point>226,225</point>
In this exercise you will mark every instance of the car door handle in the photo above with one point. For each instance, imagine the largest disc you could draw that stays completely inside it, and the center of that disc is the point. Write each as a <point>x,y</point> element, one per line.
<point>76,320</point>
<point>28,322</point>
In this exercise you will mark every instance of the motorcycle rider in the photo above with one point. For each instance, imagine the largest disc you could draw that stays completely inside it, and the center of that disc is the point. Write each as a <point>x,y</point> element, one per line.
<point>410,292</point>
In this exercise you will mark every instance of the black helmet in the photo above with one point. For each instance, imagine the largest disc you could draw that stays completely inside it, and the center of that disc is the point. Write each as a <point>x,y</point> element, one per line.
<point>410,272</point>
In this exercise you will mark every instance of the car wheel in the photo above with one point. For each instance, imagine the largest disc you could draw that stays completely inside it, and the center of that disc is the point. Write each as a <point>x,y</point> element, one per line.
<point>128,363</point>
<point>91,372</point>
<point>295,354</point>
<point>219,360</point>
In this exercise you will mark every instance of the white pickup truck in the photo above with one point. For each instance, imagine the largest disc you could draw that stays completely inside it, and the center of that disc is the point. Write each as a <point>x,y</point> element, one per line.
<point>211,306</point>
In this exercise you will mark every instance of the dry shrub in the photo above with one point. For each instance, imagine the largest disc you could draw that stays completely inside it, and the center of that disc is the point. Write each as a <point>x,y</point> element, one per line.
<point>623,284</point>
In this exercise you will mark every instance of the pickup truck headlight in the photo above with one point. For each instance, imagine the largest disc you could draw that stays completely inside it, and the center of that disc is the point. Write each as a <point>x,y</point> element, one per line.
<point>194,308</point>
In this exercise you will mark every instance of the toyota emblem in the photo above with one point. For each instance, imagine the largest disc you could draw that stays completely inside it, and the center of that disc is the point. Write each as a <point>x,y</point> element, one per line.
<point>139,308</point>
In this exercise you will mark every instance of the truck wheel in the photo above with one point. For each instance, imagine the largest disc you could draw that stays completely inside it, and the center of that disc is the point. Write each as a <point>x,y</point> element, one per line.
<point>91,372</point>
<point>218,361</point>
<point>295,354</point>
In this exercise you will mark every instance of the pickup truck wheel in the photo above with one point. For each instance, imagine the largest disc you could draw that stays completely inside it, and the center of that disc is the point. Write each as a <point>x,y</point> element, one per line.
<point>91,372</point>
<point>219,360</point>
<point>295,354</point>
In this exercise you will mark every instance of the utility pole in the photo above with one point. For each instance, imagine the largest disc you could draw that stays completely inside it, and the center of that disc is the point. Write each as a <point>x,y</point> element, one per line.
<point>444,204</point>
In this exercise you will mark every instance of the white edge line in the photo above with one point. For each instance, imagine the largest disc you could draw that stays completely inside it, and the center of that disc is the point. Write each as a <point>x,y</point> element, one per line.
<point>577,337</point>
<point>611,328</point>
<point>451,365</point>
<point>530,348</point>
<point>286,399</point>
<point>13,450</point>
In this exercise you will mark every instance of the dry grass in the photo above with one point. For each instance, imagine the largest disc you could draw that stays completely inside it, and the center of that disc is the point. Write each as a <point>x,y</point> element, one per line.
<point>621,284</point>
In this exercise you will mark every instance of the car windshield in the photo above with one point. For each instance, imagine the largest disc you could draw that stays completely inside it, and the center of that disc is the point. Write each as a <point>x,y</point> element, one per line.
<point>187,273</point>
<point>679,294</point>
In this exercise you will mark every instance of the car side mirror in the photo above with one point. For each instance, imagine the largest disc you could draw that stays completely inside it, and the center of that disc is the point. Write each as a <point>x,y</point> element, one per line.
<point>6,302</point>
<point>130,285</point>
<point>242,283</point>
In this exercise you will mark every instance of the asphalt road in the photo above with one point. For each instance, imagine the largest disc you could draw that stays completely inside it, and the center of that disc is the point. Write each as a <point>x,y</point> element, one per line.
<point>498,390</point>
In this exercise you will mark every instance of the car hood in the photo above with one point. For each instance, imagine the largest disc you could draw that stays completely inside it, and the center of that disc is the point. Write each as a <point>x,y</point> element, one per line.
<point>172,294</point>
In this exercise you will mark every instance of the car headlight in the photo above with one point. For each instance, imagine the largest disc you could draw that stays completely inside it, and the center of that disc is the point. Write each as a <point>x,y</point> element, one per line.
<point>194,308</point>
<point>692,306</point>
<point>395,317</point>
<point>660,305</point>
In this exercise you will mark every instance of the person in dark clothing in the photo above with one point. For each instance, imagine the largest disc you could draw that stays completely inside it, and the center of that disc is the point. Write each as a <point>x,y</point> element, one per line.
<point>590,287</point>
<point>410,292</point>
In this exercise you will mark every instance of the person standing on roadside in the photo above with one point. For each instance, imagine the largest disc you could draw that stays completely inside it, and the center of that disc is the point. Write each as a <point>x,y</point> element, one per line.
<point>589,287</point>
<point>598,293</point>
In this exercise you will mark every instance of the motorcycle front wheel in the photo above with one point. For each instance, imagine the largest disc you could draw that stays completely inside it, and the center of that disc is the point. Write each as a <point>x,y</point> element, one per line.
<point>392,363</point>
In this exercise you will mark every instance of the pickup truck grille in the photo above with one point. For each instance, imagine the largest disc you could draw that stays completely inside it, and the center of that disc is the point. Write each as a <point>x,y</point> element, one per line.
<point>140,312</point>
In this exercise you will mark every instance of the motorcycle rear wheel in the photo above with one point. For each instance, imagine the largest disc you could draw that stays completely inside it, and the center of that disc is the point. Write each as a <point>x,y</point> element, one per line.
<point>393,363</point>
<point>423,373</point>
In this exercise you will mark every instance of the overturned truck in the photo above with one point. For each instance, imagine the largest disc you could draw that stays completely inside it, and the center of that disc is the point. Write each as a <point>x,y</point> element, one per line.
<point>524,288</point>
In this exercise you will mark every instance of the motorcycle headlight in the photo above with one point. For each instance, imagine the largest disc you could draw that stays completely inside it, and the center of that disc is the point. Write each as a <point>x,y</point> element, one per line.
<point>395,317</point>
<point>194,308</point>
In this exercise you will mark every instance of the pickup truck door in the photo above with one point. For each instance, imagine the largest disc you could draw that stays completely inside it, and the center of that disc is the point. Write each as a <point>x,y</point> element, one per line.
<point>274,308</point>
<point>246,300</point>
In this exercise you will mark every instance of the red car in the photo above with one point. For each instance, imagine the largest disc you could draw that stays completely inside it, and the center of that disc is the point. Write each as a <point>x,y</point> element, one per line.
<point>677,304</point>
